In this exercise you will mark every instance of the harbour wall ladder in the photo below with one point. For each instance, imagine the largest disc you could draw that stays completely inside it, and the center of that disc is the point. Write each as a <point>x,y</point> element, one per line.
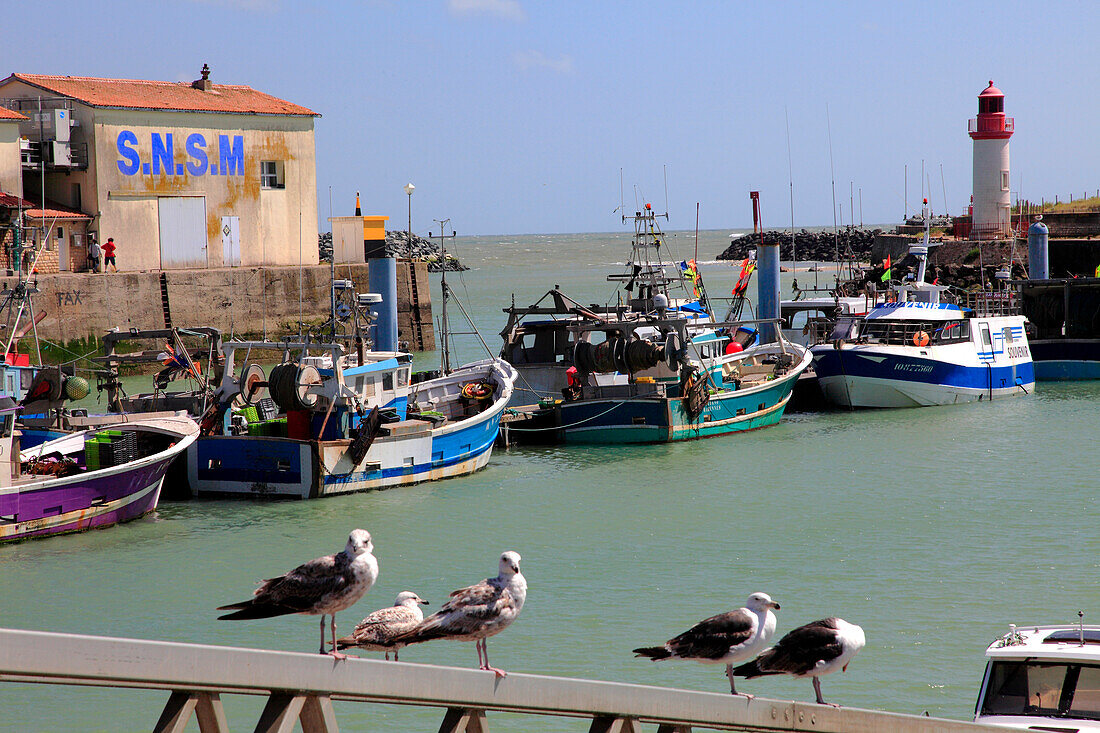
<point>300,689</point>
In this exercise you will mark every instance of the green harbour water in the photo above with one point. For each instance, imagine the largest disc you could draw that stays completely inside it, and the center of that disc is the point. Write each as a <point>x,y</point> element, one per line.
<point>932,528</point>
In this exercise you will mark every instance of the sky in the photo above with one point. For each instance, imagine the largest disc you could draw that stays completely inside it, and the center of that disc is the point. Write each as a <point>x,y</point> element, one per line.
<point>518,117</point>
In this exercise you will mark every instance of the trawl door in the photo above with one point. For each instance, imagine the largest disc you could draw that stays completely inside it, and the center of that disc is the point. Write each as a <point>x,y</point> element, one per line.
<point>182,231</point>
<point>231,241</point>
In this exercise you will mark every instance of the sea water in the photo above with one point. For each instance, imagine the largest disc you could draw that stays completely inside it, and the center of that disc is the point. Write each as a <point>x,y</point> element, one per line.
<point>932,528</point>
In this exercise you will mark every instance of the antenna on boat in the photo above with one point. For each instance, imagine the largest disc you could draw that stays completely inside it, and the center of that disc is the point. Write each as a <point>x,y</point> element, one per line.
<point>622,206</point>
<point>664,168</point>
<point>832,179</point>
<point>1081,627</point>
<point>944,186</point>
<point>790,180</point>
<point>696,231</point>
<point>445,358</point>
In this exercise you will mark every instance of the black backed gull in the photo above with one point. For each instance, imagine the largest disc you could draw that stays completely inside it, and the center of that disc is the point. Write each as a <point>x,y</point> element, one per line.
<point>812,650</point>
<point>723,639</point>
<point>378,630</point>
<point>477,612</point>
<point>322,586</point>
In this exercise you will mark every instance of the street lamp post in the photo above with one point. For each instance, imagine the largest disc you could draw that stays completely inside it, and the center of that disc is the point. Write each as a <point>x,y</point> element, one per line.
<point>409,188</point>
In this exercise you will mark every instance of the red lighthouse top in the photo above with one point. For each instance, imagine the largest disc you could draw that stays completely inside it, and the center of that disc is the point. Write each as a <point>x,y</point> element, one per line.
<point>991,123</point>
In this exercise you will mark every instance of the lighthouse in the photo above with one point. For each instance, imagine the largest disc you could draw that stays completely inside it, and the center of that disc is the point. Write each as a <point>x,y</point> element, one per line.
<point>990,132</point>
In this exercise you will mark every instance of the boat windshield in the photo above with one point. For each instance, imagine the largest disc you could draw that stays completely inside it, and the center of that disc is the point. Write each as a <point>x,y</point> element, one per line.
<point>1066,690</point>
<point>903,332</point>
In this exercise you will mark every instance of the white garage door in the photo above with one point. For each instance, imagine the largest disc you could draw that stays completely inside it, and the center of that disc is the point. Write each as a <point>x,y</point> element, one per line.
<point>182,231</point>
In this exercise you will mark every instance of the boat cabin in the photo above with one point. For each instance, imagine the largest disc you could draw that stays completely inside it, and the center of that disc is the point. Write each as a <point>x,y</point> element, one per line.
<point>1043,678</point>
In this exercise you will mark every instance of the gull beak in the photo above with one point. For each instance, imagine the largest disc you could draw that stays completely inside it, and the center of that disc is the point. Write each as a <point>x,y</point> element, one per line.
<point>422,602</point>
<point>775,605</point>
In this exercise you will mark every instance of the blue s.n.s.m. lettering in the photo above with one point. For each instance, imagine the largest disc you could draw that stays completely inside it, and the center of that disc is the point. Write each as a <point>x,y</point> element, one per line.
<point>130,160</point>
<point>228,160</point>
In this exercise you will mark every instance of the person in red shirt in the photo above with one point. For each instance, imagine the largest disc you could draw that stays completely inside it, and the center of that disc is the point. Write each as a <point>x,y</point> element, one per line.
<point>109,254</point>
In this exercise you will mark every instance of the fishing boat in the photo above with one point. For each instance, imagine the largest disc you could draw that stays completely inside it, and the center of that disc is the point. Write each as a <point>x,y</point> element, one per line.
<point>1043,678</point>
<point>340,425</point>
<point>919,349</point>
<point>654,369</point>
<point>88,479</point>
<point>337,421</point>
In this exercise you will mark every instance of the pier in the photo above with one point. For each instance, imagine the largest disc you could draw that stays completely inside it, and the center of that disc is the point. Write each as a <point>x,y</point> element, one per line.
<point>300,688</point>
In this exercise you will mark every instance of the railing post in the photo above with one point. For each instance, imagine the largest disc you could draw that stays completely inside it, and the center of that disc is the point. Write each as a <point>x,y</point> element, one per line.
<point>464,720</point>
<point>613,724</point>
<point>318,715</point>
<point>207,706</point>
<point>211,714</point>
<point>176,713</point>
<point>281,713</point>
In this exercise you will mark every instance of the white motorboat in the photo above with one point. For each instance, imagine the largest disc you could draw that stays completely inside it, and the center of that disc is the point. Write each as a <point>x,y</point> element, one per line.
<point>1043,678</point>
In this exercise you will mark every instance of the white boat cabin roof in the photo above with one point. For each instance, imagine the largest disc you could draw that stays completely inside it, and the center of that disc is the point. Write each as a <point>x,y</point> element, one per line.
<point>910,311</point>
<point>1048,643</point>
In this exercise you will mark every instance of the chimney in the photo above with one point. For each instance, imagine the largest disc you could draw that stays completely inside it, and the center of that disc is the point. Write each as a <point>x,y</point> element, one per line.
<point>203,83</point>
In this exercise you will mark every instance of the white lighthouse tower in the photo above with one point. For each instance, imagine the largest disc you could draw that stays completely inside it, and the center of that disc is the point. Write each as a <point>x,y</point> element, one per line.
<point>990,131</point>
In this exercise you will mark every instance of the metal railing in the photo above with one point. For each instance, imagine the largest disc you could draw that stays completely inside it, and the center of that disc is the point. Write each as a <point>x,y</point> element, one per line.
<point>300,688</point>
<point>990,303</point>
<point>1009,125</point>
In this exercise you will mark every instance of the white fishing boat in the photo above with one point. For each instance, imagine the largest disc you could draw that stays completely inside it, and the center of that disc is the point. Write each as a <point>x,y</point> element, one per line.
<point>920,349</point>
<point>1044,678</point>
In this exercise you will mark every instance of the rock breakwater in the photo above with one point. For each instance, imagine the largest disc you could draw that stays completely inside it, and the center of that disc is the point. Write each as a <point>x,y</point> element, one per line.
<point>819,246</point>
<point>399,244</point>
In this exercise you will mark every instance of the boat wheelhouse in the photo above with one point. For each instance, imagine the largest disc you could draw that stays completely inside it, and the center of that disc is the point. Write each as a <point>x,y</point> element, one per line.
<point>1043,678</point>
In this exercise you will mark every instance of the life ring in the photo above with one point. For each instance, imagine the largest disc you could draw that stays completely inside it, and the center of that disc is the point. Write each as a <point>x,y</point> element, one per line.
<point>920,338</point>
<point>477,390</point>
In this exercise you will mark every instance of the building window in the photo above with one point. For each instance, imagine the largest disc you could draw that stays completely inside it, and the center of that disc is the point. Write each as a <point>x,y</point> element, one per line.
<point>271,174</point>
<point>1004,180</point>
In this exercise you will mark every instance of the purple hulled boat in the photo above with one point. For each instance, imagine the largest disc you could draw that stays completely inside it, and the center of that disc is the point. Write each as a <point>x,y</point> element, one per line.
<point>86,480</point>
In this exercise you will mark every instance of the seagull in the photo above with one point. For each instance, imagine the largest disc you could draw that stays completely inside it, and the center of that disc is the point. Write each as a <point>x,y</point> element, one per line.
<point>322,586</point>
<point>477,612</point>
<point>812,650</point>
<point>723,639</point>
<point>377,631</point>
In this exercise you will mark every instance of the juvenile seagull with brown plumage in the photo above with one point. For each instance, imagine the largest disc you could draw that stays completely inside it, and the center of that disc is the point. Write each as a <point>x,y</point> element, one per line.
<point>477,612</point>
<point>723,639</point>
<point>322,586</point>
<point>378,631</point>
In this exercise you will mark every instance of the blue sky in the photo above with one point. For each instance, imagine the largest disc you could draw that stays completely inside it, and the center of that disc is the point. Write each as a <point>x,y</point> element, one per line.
<point>514,116</point>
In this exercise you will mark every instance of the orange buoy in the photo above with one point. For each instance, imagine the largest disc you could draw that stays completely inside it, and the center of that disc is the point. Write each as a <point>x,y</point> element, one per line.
<point>920,338</point>
<point>734,348</point>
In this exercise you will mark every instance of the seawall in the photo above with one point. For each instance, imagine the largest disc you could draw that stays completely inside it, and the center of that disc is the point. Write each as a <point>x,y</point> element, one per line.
<point>254,300</point>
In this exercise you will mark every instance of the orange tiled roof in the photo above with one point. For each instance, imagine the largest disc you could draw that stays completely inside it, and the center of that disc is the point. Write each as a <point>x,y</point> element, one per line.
<point>166,95</point>
<point>8,114</point>
<point>33,210</point>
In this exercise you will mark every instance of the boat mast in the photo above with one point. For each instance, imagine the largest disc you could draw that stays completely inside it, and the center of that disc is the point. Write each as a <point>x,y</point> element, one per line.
<point>445,357</point>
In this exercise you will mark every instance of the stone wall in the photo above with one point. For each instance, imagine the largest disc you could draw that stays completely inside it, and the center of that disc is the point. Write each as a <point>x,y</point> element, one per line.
<point>237,300</point>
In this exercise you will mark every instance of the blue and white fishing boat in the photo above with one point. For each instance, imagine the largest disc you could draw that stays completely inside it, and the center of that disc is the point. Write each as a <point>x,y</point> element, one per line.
<point>920,350</point>
<point>343,423</point>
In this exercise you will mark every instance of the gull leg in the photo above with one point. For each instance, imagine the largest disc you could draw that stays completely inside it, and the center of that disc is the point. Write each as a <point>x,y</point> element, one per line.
<point>394,655</point>
<point>334,652</point>
<point>480,661</point>
<point>733,687</point>
<point>387,656</point>
<point>817,689</point>
<point>494,670</point>
<point>322,650</point>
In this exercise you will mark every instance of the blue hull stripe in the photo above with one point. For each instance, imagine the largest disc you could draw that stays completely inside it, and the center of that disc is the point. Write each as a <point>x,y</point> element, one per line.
<point>836,363</point>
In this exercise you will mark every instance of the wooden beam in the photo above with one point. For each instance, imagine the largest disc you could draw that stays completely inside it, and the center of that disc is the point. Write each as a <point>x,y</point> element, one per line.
<point>176,713</point>
<point>464,720</point>
<point>318,715</point>
<point>611,724</point>
<point>673,728</point>
<point>210,713</point>
<point>281,713</point>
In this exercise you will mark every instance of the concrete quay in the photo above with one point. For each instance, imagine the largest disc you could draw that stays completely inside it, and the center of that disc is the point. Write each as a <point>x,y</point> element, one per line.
<point>236,300</point>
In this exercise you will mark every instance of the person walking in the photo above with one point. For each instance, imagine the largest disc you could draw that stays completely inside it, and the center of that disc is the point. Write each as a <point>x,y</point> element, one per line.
<point>109,255</point>
<point>94,253</point>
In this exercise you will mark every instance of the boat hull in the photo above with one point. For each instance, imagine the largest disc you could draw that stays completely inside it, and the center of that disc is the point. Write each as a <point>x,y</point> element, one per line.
<point>858,378</point>
<point>1066,359</point>
<point>84,501</point>
<point>252,466</point>
<point>664,419</point>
